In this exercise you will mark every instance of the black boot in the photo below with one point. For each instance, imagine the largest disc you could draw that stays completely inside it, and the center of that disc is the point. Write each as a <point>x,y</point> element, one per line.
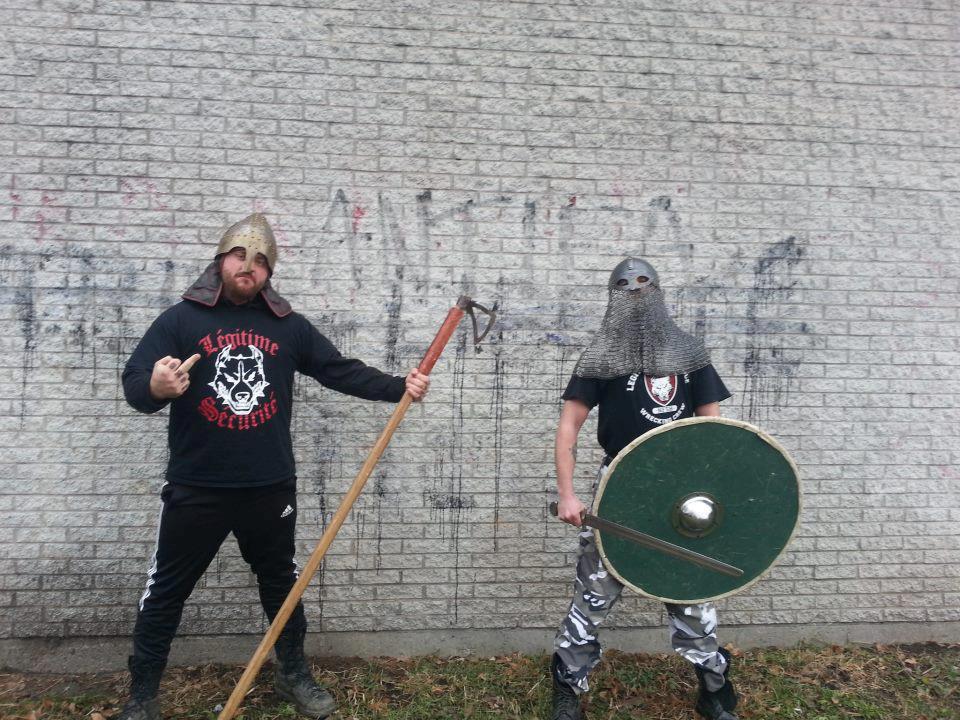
<point>293,680</point>
<point>144,685</point>
<point>716,704</point>
<point>566,703</point>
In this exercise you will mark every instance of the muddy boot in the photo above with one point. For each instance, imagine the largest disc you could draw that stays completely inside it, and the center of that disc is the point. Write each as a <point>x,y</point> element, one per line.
<point>144,685</point>
<point>294,682</point>
<point>566,703</point>
<point>716,704</point>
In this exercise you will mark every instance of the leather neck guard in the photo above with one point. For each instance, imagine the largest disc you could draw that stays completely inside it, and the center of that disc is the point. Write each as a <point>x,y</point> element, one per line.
<point>206,291</point>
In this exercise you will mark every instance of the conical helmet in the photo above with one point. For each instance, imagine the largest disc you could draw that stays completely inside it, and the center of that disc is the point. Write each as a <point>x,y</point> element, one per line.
<point>633,274</point>
<point>254,234</point>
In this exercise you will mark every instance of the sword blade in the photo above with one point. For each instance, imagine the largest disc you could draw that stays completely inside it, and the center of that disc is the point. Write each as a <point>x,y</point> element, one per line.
<point>655,543</point>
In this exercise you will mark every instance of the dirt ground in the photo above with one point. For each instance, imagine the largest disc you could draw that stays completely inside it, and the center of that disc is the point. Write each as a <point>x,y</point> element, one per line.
<point>916,682</point>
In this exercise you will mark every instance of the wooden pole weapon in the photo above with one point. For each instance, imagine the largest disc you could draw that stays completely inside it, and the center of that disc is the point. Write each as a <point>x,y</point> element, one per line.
<point>454,316</point>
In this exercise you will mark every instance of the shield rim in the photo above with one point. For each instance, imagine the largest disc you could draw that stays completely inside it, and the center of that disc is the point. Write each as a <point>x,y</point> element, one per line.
<point>770,440</point>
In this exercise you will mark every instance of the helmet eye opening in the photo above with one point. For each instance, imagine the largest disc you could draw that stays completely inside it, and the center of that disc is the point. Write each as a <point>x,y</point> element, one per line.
<point>643,279</point>
<point>622,281</point>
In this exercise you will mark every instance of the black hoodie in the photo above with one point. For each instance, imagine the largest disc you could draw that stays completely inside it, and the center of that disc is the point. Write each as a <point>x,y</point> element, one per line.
<point>231,428</point>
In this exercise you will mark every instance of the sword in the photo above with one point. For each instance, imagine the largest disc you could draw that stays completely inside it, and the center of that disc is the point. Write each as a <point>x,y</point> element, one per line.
<point>654,543</point>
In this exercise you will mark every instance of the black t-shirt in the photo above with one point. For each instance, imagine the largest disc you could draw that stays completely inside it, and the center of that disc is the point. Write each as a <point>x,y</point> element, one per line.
<point>231,428</point>
<point>630,405</point>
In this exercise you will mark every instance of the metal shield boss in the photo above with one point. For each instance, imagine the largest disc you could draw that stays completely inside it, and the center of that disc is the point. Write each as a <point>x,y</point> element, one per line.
<point>721,488</point>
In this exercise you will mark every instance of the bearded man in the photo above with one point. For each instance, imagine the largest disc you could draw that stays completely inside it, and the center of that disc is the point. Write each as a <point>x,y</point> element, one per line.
<point>231,466</point>
<point>643,372</point>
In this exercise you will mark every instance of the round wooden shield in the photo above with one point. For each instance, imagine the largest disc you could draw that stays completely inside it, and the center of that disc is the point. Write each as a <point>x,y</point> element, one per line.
<point>722,488</point>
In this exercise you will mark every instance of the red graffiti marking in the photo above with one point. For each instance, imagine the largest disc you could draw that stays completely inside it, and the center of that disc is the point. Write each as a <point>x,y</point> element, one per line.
<point>155,196</point>
<point>41,225</point>
<point>41,217</point>
<point>129,194</point>
<point>135,188</point>
<point>571,201</point>
<point>358,213</point>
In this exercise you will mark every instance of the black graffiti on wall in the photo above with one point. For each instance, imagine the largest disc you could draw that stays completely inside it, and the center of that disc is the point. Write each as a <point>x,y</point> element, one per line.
<point>98,323</point>
<point>769,365</point>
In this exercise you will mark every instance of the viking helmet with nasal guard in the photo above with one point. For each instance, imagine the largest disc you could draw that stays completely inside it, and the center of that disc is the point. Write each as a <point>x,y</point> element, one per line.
<point>254,235</point>
<point>633,274</point>
<point>637,334</point>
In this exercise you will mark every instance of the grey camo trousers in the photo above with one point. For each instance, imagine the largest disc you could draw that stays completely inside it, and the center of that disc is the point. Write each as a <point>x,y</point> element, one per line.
<point>693,628</point>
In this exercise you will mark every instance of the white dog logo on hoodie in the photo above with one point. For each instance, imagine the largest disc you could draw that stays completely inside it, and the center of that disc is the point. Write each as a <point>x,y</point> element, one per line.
<point>240,381</point>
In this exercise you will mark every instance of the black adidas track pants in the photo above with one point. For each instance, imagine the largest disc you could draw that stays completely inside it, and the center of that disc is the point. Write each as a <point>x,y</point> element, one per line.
<point>194,522</point>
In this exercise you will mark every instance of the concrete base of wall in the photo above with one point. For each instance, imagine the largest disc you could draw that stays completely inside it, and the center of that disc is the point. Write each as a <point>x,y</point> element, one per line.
<point>76,655</point>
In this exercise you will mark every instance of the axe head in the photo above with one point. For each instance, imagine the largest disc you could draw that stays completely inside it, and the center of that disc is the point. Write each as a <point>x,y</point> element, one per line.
<point>466,304</point>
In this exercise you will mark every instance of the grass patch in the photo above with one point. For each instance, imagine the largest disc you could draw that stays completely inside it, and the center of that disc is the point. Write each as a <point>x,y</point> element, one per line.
<point>918,682</point>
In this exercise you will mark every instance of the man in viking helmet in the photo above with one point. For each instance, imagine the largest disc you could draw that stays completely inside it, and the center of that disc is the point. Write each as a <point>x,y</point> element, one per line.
<point>643,372</point>
<point>224,359</point>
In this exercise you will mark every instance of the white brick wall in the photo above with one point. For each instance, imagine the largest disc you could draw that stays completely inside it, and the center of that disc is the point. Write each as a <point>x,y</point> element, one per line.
<point>791,168</point>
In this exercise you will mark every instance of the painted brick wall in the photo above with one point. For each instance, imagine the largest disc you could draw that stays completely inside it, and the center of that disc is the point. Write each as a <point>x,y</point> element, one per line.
<point>790,167</point>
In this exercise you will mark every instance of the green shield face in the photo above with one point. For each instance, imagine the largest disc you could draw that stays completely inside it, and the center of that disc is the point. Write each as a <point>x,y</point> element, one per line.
<point>721,488</point>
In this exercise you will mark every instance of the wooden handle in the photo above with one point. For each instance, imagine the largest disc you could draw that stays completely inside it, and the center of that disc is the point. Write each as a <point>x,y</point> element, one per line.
<point>454,316</point>
<point>313,564</point>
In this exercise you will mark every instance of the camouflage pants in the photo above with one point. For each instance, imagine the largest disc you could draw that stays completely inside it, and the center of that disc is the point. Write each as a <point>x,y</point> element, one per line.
<point>693,628</point>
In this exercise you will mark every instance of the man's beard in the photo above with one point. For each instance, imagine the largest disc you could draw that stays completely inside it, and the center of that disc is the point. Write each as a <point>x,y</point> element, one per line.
<point>239,293</point>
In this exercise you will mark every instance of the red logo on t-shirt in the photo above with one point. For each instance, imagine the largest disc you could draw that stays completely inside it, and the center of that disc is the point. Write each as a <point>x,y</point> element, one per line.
<point>240,380</point>
<point>662,390</point>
